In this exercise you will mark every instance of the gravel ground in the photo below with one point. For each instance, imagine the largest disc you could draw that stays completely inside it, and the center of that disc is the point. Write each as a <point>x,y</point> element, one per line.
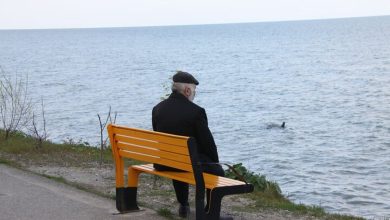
<point>154,193</point>
<point>157,193</point>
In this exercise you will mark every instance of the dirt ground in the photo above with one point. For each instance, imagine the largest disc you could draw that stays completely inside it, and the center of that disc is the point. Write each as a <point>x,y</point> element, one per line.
<point>154,193</point>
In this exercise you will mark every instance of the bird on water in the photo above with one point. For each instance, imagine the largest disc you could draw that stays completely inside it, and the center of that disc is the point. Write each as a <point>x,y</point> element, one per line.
<point>273,125</point>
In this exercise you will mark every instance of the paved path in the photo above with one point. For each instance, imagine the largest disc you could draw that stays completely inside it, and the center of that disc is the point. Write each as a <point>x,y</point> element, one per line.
<point>27,196</point>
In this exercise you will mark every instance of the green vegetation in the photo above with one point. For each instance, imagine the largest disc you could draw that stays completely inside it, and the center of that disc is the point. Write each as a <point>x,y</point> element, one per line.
<point>7,162</point>
<point>165,213</point>
<point>265,200</point>
<point>68,153</point>
<point>19,151</point>
<point>259,182</point>
<point>267,194</point>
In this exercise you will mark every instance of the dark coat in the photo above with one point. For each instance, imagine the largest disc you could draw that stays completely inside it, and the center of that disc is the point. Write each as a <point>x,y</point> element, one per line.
<point>177,115</point>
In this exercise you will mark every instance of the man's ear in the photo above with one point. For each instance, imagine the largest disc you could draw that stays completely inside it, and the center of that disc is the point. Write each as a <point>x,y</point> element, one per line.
<point>187,92</point>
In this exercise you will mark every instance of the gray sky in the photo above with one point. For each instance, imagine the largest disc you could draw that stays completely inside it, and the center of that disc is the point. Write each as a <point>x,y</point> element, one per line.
<point>16,14</point>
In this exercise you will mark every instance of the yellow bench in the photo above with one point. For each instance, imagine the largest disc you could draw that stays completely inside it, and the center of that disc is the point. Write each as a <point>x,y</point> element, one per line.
<point>169,150</point>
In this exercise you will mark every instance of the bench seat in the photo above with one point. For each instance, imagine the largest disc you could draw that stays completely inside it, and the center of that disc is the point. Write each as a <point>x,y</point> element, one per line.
<point>211,181</point>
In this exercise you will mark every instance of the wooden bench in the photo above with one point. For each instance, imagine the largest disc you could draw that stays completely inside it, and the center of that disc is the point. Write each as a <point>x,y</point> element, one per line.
<point>169,150</point>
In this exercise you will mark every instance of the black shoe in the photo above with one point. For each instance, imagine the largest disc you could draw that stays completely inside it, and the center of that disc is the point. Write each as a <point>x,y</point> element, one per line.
<point>184,211</point>
<point>225,218</point>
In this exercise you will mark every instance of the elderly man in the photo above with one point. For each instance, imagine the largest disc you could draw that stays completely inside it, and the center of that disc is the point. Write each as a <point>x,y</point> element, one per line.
<point>179,115</point>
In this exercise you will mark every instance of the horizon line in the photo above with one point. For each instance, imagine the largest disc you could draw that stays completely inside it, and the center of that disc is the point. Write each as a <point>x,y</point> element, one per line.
<point>202,24</point>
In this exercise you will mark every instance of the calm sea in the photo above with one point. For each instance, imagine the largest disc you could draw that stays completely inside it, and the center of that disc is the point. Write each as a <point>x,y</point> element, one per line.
<point>329,80</point>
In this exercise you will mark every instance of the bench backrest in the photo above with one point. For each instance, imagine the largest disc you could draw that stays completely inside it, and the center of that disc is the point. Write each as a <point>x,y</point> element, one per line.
<point>149,146</point>
<point>153,147</point>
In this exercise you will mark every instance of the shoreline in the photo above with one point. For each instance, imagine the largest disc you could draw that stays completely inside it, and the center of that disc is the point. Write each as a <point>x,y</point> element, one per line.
<point>78,165</point>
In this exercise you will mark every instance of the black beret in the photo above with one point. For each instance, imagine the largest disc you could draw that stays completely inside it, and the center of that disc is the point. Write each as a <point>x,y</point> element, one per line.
<point>184,77</point>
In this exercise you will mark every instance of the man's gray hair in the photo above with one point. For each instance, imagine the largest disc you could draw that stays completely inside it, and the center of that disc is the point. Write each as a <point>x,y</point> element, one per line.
<point>180,87</point>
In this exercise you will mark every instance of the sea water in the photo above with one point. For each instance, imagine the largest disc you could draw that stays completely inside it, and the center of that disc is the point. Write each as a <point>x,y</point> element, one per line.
<point>328,80</point>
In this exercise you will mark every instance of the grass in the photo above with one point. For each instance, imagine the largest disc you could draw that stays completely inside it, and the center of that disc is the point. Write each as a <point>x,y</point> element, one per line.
<point>68,153</point>
<point>7,162</point>
<point>263,200</point>
<point>22,149</point>
<point>164,212</point>
<point>260,182</point>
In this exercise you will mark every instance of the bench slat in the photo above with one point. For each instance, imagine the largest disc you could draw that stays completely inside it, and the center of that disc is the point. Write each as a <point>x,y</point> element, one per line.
<point>165,147</point>
<point>154,152</point>
<point>211,181</point>
<point>150,159</point>
<point>187,177</point>
<point>153,136</point>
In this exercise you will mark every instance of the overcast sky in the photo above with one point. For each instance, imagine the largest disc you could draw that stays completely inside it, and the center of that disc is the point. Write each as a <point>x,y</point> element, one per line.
<point>16,14</point>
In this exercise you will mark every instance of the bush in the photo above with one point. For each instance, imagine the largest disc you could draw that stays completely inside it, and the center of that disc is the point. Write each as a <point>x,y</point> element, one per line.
<point>259,182</point>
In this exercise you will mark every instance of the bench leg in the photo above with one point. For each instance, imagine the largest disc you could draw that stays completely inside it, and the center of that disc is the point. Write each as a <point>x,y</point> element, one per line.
<point>126,199</point>
<point>215,205</point>
<point>218,193</point>
<point>199,202</point>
